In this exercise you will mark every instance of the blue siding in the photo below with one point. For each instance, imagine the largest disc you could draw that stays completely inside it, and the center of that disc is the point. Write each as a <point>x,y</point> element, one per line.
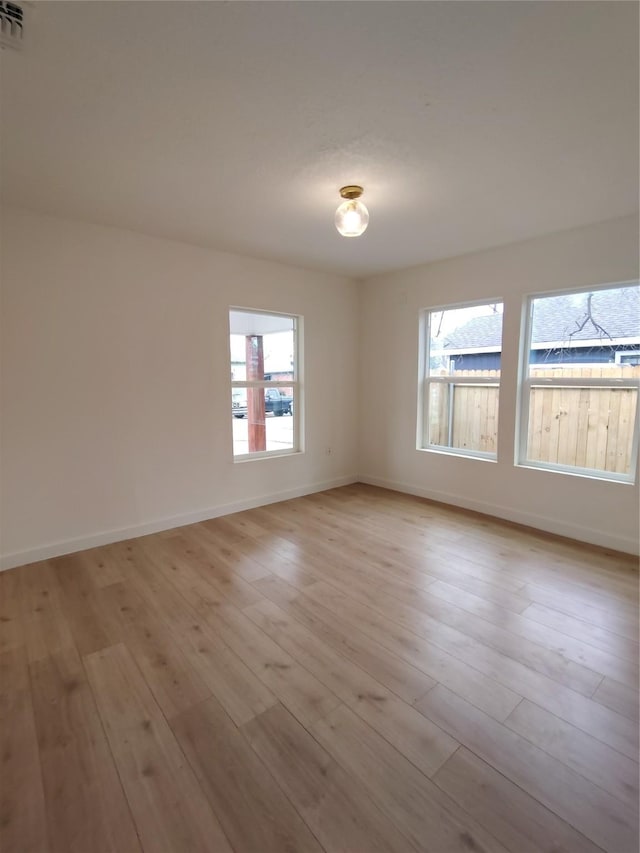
<point>577,355</point>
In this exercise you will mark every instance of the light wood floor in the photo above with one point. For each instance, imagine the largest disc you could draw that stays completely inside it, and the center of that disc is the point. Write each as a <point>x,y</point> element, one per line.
<point>353,671</point>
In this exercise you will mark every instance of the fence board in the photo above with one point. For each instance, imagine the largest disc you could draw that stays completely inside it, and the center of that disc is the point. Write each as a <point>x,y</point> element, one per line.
<point>567,437</point>
<point>626,421</point>
<point>613,431</point>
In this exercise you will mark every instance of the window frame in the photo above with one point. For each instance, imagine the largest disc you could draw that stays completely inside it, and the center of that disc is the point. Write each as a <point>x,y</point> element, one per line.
<point>527,382</point>
<point>620,356</point>
<point>425,379</point>
<point>295,383</point>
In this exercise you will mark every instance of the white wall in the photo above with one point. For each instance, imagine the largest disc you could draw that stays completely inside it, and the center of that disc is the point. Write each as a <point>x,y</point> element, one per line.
<point>599,512</point>
<point>116,384</point>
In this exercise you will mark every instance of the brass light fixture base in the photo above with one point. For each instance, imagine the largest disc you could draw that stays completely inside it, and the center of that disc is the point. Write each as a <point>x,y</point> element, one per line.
<point>351,191</point>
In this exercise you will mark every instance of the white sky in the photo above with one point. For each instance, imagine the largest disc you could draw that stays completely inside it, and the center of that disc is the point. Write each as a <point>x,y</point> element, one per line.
<point>278,351</point>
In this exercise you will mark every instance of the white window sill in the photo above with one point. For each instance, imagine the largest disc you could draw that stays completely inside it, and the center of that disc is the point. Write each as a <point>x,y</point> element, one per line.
<point>460,454</point>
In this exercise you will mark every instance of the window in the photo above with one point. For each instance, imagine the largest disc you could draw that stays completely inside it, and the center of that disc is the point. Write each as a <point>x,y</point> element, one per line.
<point>461,352</point>
<point>628,357</point>
<point>265,384</point>
<point>579,408</point>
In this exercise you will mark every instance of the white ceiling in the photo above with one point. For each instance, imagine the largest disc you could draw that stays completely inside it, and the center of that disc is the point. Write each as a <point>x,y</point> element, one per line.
<point>233,125</point>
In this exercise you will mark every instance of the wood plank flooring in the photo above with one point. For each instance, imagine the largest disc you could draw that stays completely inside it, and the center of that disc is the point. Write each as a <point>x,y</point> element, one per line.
<point>351,672</point>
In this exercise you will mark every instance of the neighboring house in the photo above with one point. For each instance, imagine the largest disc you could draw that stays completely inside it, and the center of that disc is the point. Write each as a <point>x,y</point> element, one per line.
<point>602,327</point>
<point>279,375</point>
<point>239,372</point>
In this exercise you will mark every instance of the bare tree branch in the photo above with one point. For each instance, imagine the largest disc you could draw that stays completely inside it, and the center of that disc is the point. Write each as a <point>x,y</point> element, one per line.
<point>588,318</point>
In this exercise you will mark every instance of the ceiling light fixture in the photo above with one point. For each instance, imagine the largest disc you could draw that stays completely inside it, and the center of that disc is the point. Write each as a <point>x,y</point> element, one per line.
<point>352,216</point>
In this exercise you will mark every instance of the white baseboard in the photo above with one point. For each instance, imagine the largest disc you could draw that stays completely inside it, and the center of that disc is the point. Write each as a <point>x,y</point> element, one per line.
<point>590,535</point>
<point>549,525</point>
<point>93,540</point>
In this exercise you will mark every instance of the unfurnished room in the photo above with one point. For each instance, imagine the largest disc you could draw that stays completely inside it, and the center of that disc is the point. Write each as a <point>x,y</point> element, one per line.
<point>319,422</point>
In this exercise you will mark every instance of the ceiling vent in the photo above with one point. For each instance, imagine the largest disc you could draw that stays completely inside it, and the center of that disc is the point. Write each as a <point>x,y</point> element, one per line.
<point>11,24</point>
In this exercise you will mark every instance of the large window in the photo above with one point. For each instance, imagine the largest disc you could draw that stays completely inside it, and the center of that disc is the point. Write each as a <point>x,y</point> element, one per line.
<point>265,383</point>
<point>460,353</point>
<point>581,374</point>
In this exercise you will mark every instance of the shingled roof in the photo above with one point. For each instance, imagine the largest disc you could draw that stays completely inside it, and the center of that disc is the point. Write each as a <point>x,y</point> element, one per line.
<point>558,321</point>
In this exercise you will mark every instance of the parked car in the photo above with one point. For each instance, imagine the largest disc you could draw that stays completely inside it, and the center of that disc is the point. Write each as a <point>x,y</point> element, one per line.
<point>275,402</point>
<point>238,404</point>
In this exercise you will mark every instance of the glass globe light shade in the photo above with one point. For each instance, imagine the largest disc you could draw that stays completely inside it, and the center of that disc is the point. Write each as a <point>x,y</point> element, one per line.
<point>352,218</point>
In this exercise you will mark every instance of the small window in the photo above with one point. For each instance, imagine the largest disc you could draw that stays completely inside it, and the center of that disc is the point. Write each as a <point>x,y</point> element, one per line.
<point>628,357</point>
<point>460,386</point>
<point>581,374</point>
<point>265,386</point>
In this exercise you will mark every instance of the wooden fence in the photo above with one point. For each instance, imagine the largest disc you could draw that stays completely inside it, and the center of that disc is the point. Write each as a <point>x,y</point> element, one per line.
<point>586,427</point>
<point>470,419</point>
